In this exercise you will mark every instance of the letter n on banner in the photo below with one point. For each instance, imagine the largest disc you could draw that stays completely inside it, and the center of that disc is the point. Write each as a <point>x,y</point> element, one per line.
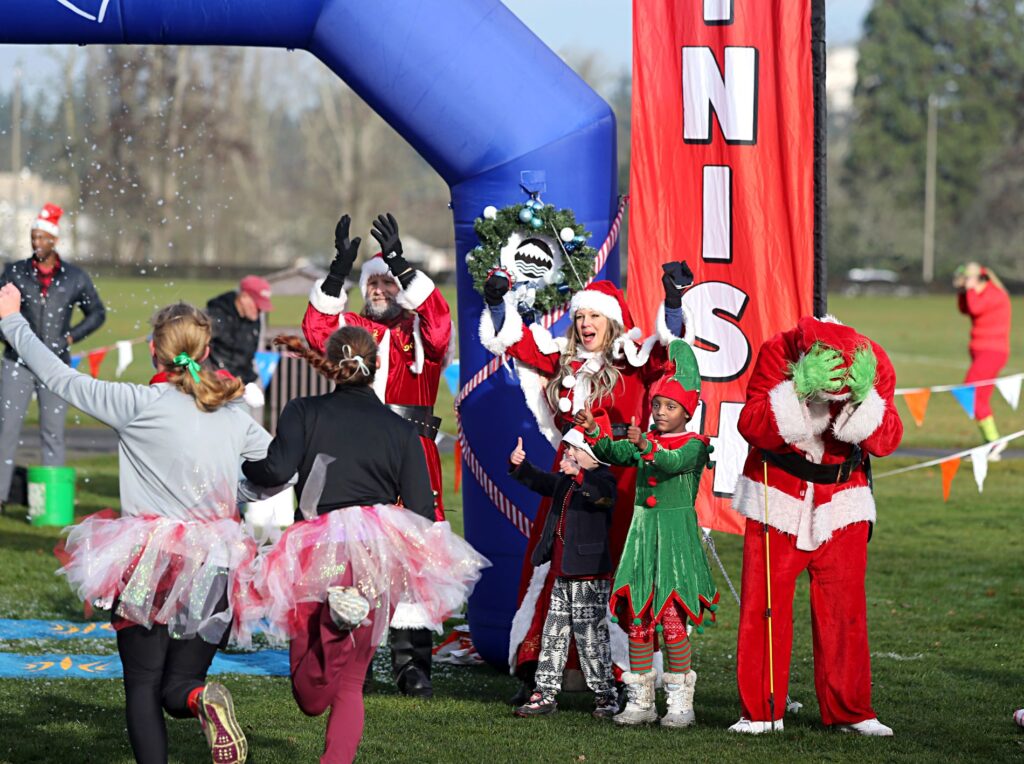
<point>728,131</point>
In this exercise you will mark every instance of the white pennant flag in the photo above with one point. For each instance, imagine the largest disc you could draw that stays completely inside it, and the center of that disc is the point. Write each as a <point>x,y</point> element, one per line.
<point>979,462</point>
<point>1009,388</point>
<point>124,357</point>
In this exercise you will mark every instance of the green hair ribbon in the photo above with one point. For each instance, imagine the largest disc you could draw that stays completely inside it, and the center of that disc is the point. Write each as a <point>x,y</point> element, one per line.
<point>186,361</point>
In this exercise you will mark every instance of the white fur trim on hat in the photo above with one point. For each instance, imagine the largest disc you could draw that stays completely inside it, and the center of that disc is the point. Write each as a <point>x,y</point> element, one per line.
<point>46,226</point>
<point>575,438</point>
<point>665,336</point>
<point>511,331</point>
<point>419,289</point>
<point>603,303</point>
<point>325,303</point>
<point>375,266</point>
<point>856,422</point>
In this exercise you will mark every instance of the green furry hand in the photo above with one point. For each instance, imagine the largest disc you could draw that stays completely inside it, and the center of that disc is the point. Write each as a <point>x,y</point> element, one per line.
<point>861,376</point>
<point>820,369</point>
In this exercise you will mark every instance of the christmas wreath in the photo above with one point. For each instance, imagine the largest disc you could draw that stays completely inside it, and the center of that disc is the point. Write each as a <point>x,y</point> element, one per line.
<point>542,248</point>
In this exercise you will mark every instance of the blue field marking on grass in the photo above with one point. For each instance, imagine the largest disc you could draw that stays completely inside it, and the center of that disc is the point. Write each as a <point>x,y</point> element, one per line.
<point>70,666</point>
<point>14,628</point>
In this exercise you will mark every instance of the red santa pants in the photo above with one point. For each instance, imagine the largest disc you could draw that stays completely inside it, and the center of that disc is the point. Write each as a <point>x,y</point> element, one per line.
<point>985,364</point>
<point>328,667</point>
<point>842,663</point>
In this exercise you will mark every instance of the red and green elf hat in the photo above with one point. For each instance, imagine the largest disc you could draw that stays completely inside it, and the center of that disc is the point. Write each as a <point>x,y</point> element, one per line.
<point>681,382</point>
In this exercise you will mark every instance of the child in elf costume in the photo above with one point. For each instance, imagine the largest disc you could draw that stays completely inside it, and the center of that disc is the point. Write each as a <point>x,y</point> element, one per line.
<point>663,579</point>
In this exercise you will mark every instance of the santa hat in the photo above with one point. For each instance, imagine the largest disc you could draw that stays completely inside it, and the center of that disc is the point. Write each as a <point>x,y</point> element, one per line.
<point>577,439</point>
<point>682,382</point>
<point>605,298</point>
<point>375,266</point>
<point>48,220</point>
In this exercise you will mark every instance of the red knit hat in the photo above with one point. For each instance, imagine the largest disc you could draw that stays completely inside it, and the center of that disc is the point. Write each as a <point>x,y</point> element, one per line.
<point>48,220</point>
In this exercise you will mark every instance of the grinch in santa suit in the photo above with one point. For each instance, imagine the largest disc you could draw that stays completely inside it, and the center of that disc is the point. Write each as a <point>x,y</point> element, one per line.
<point>600,364</point>
<point>412,325</point>
<point>819,405</point>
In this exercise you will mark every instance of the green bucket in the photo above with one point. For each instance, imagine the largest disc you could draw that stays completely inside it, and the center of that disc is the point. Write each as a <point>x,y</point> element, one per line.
<point>51,495</point>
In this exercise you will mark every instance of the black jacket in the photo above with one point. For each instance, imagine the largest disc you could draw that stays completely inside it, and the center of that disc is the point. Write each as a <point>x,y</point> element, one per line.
<point>378,455</point>
<point>50,316</point>
<point>587,522</point>
<point>235,338</point>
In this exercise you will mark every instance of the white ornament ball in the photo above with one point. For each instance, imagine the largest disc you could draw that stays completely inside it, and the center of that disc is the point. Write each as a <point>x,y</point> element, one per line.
<point>564,405</point>
<point>566,234</point>
<point>490,212</point>
<point>569,381</point>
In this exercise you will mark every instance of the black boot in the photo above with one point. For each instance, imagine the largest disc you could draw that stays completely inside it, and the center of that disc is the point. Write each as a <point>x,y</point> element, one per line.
<point>412,652</point>
<point>525,672</point>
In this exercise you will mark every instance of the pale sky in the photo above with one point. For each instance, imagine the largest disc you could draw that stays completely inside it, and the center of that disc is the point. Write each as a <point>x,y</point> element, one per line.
<point>580,25</point>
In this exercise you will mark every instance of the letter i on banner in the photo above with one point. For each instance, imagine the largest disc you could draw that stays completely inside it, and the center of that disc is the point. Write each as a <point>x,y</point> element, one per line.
<point>725,175</point>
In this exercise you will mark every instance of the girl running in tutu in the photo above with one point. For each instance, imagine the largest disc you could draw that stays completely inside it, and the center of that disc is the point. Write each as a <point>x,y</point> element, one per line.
<point>175,566</point>
<point>332,581</point>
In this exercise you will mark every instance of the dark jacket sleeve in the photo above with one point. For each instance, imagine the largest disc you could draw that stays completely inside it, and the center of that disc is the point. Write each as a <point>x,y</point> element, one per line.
<point>285,452</point>
<point>6,278</point>
<point>536,480</point>
<point>414,480</point>
<point>88,299</point>
<point>599,489</point>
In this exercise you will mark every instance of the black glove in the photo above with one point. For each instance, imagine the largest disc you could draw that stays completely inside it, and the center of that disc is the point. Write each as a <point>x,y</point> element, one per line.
<point>385,231</point>
<point>496,288</point>
<point>343,261</point>
<point>676,278</point>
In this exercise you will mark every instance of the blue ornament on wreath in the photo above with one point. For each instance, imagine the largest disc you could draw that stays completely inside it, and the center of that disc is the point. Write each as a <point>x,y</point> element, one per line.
<point>536,223</point>
<point>526,214</point>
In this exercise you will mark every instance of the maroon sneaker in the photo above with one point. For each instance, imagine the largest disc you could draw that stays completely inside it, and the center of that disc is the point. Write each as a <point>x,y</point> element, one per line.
<point>217,716</point>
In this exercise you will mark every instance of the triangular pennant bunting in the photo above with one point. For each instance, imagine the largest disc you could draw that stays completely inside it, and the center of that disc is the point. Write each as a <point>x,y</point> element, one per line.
<point>75,360</point>
<point>266,365</point>
<point>949,469</point>
<point>1009,388</point>
<point>979,463</point>
<point>451,376</point>
<point>965,397</point>
<point>95,360</point>
<point>917,402</point>
<point>124,357</point>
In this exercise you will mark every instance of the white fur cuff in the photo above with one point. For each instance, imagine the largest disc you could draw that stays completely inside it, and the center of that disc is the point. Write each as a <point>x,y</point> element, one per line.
<point>325,303</point>
<point>790,413</point>
<point>665,336</point>
<point>419,289</point>
<point>511,331</point>
<point>856,423</point>
<point>410,616</point>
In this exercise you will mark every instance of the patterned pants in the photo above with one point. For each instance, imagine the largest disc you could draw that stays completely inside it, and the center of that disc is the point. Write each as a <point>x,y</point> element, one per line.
<point>578,609</point>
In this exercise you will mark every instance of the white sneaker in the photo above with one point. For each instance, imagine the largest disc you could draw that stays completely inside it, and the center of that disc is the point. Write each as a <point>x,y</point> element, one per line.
<point>869,727</point>
<point>996,454</point>
<point>748,727</point>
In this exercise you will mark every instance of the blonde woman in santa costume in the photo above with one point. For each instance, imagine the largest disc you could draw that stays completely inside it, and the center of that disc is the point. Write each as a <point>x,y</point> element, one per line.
<point>599,364</point>
<point>331,584</point>
<point>175,567</point>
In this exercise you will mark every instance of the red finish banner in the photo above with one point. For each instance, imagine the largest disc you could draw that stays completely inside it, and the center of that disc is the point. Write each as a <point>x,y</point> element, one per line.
<point>723,176</point>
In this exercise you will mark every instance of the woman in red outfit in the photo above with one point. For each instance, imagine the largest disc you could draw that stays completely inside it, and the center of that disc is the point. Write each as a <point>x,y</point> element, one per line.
<point>599,364</point>
<point>982,297</point>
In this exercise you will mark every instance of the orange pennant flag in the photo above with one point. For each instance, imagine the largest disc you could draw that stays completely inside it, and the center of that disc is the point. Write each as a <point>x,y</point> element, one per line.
<point>948,472</point>
<point>917,402</point>
<point>95,359</point>
<point>458,465</point>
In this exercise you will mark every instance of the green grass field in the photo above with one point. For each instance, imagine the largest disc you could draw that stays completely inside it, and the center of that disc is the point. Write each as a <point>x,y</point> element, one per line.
<point>945,597</point>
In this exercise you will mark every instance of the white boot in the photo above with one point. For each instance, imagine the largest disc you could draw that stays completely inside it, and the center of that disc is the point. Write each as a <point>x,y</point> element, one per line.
<point>869,727</point>
<point>639,700</point>
<point>748,727</point>
<point>679,689</point>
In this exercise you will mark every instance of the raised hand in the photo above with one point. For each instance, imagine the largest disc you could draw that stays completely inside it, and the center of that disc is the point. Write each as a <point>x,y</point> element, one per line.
<point>861,376</point>
<point>634,434</point>
<point>819,370</point>
<point>10,300</point>
<point>518,455</point>
<point>496,287</point>
<point>385,231</point>
<point>345,251</point>
<point>676,278</point>
<point>585,419</point>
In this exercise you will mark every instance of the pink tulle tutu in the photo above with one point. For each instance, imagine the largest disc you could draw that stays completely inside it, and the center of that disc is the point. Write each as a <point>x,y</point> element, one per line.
<point>195,577</point>
<point>390,554</point>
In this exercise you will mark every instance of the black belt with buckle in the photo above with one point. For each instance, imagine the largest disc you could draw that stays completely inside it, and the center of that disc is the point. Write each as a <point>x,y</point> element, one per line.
<point>422,416</point>
<point>830,474</point>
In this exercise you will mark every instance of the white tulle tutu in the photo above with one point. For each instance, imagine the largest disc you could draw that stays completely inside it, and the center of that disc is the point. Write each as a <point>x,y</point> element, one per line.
<point>390,554</point>
<point>195,577</point>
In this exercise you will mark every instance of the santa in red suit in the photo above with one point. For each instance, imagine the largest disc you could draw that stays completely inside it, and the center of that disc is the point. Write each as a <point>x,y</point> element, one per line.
<point>411,322</point>
<point>819,405</point>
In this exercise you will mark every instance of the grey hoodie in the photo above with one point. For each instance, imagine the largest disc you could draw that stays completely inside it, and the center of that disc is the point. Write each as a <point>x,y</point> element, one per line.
<point>174,460</point>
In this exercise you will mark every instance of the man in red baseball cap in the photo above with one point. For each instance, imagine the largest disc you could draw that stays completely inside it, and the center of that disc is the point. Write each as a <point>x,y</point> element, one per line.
<point>236,332</point>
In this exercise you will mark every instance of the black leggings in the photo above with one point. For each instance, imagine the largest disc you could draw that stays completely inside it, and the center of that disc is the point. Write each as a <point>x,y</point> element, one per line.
<point>159,674</point>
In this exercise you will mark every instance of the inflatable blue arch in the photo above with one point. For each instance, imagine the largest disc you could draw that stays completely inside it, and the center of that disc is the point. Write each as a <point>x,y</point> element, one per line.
<point>483,100</point>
